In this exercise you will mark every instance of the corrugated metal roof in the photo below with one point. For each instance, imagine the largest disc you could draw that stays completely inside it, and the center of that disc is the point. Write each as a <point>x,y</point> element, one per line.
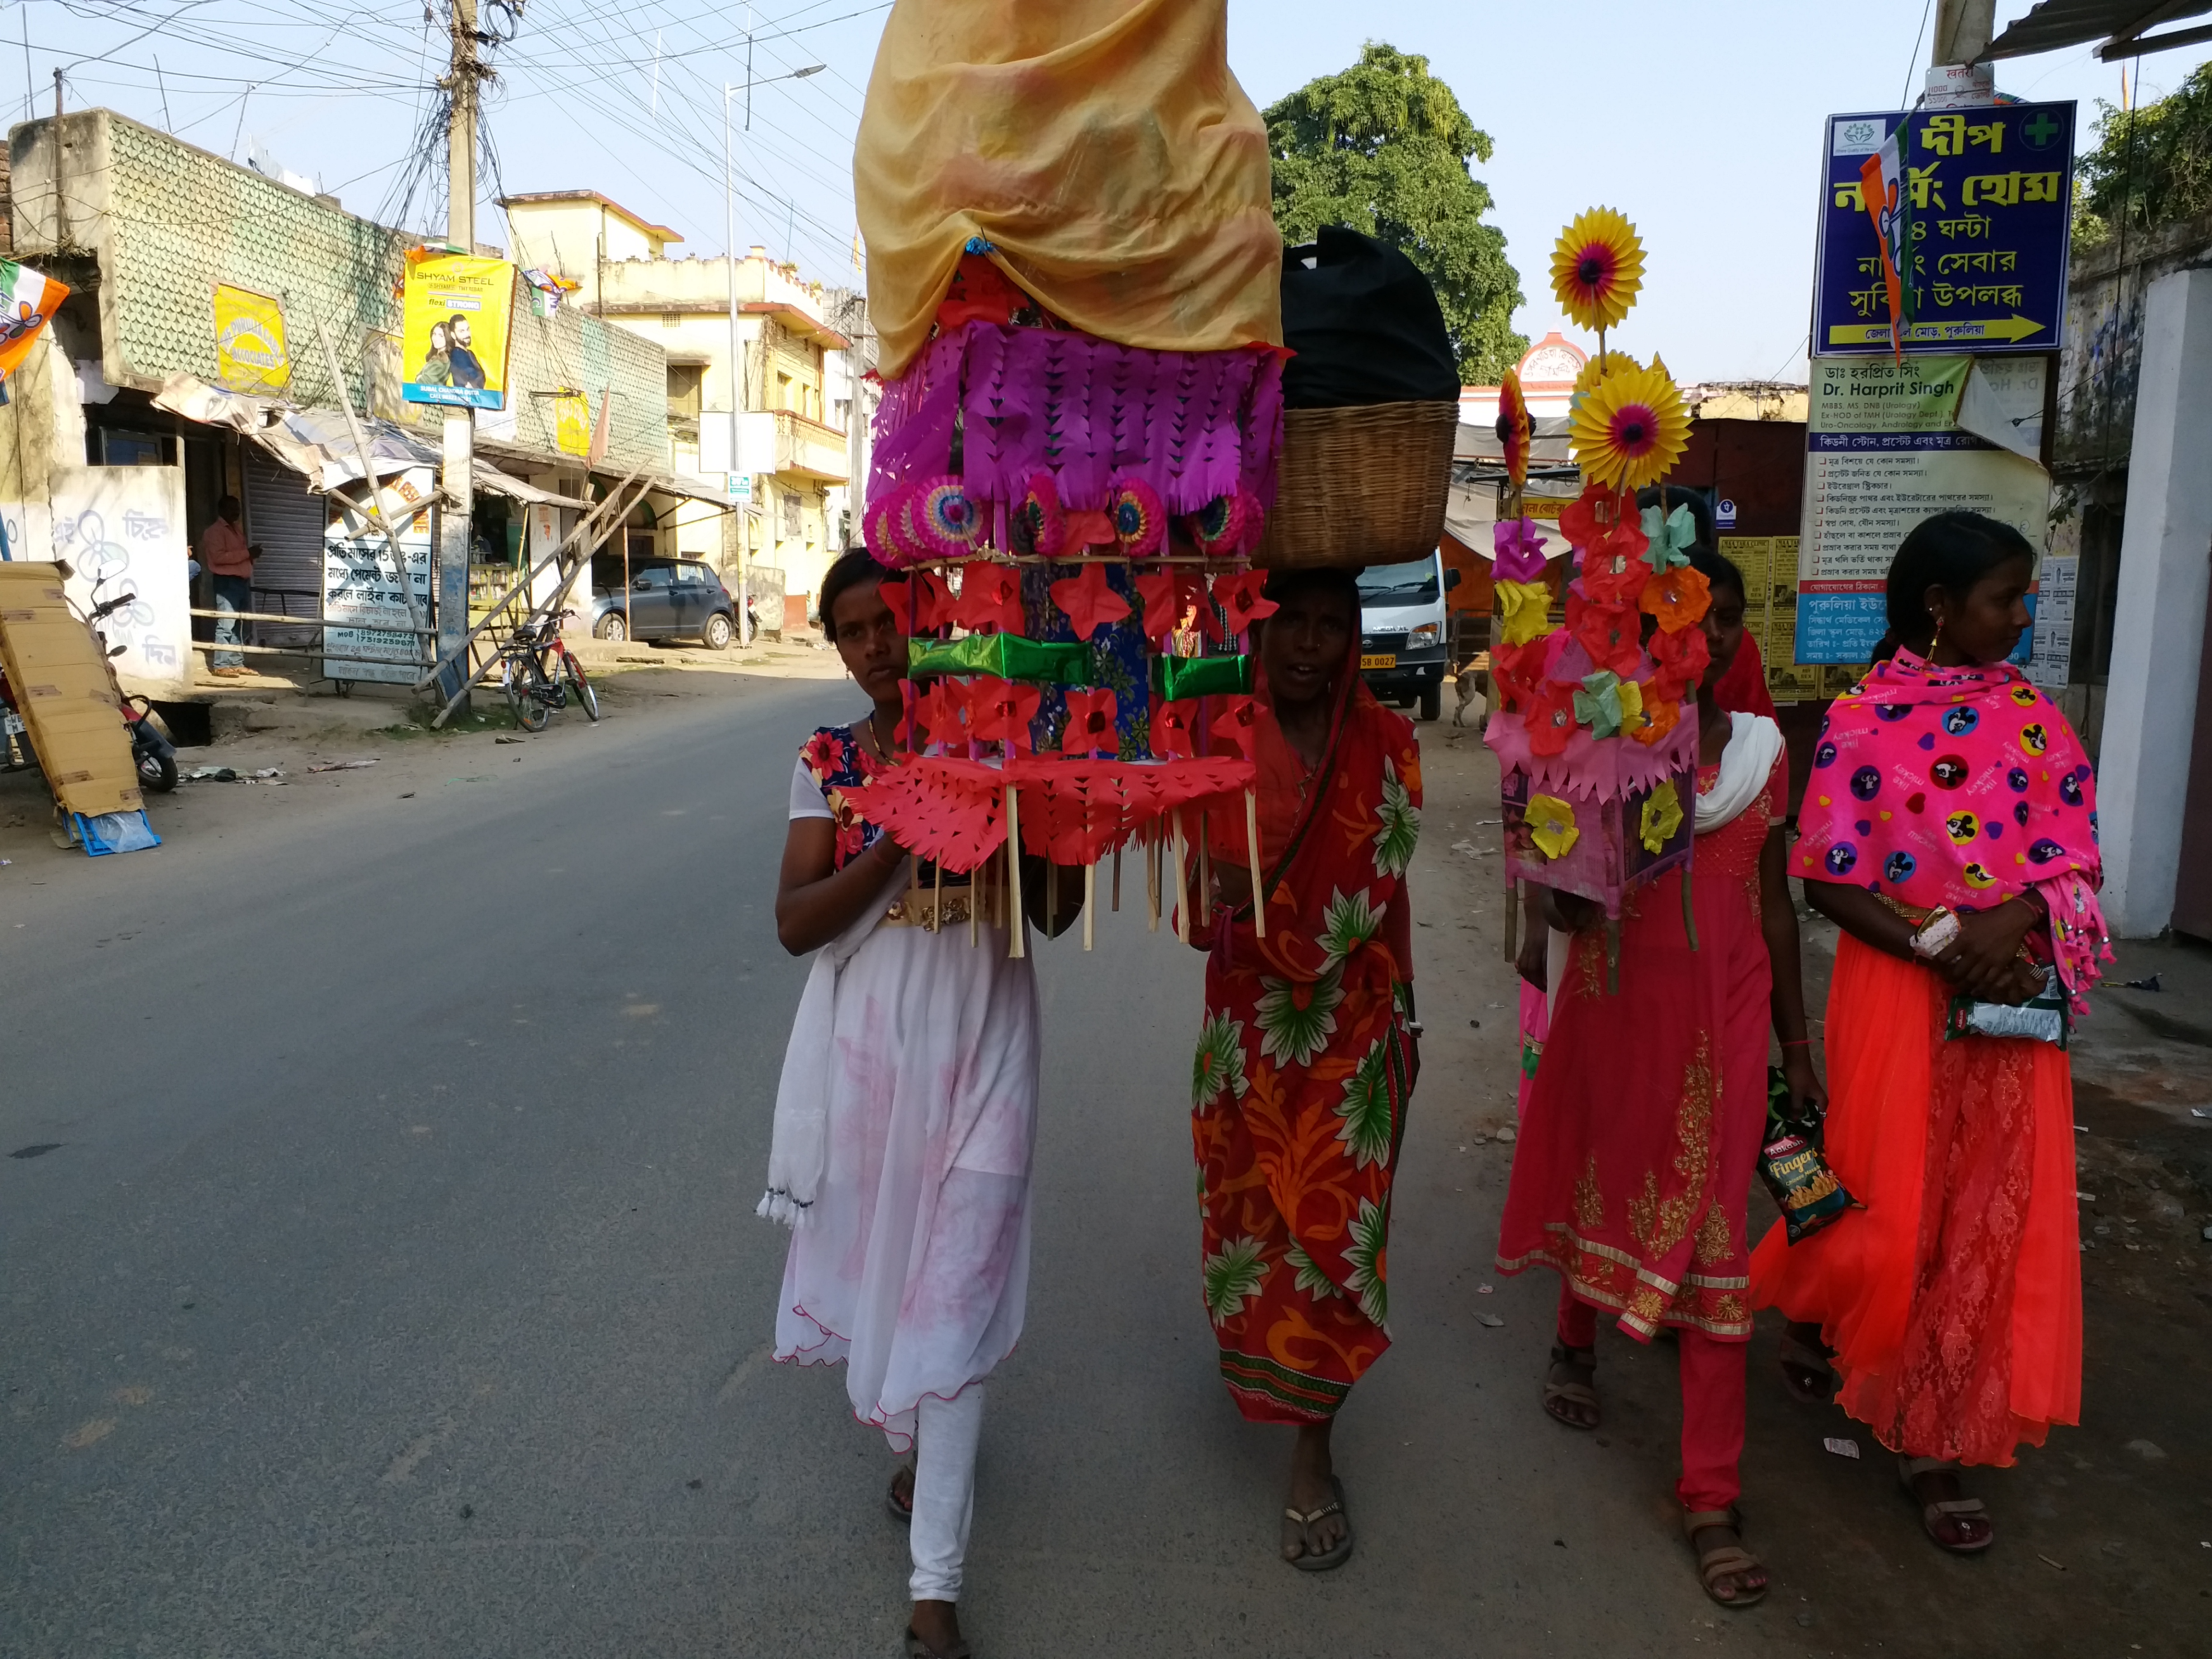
<point>2057,24</point>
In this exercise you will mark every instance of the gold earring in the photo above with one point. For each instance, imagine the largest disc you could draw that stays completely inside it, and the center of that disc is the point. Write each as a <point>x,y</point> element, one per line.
<point>1938,639</point>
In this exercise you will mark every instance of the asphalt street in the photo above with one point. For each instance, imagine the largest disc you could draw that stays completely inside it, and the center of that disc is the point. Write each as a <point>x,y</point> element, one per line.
<point>393,1284</point>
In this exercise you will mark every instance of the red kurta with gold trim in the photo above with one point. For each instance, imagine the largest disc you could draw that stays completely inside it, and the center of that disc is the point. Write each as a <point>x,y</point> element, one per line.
<point>1633,1166</point>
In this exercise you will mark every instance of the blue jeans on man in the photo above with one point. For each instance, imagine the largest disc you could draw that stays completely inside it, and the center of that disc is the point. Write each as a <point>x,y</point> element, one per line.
<point>232,593</point>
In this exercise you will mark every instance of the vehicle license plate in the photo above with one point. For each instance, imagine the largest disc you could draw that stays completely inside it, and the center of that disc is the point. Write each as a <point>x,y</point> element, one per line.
<point>1380,660</point>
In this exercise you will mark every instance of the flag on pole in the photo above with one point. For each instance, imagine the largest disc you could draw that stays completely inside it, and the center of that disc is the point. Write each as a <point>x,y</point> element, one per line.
<point>1881,183</point>
<point>27,303</point>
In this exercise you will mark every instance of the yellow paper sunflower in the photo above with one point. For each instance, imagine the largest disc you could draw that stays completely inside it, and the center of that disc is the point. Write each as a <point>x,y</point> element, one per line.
<point>1597,267</point>
<point>1630,428</point>
<point>1526,607</point>
<point>1513,428</point>
<point>1552,826</point>
<point>1660,817</point>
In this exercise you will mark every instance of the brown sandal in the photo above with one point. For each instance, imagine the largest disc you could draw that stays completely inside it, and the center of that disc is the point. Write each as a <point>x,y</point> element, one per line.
<point>1806,1372</point>
<point>1962,1509</point>
<point>1557,1393</point>
<point>901,1513</point>
<point>1725,1560</point>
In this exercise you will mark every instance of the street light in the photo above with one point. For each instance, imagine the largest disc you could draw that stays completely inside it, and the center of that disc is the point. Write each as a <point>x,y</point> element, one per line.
<point>730,243</point>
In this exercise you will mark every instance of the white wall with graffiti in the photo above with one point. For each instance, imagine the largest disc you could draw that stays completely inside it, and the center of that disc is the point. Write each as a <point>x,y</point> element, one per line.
<point>122,529</point>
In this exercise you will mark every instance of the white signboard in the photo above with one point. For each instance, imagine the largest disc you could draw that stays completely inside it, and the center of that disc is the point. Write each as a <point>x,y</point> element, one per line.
<point>361,585</point>
<point>122,529</point>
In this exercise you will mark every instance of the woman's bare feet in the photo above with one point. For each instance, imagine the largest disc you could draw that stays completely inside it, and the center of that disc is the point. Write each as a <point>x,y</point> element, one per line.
<point>936,1626</point>
<point>1806,1371</point>
<point>1312,1488</point>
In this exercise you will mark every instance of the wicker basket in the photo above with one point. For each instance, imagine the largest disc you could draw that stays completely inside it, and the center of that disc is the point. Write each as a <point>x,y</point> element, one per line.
<point>1360,486</point>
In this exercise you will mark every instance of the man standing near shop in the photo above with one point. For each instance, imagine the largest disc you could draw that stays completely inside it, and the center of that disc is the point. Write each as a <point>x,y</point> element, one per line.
<point>223,550</point>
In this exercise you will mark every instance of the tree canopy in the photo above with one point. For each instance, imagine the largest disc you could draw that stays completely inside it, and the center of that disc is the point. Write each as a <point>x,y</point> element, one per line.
<point>2151,165</point>
<point>1385,148</point>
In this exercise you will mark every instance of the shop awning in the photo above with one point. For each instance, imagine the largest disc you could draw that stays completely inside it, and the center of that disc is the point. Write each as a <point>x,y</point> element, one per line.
<point>2123,26</point>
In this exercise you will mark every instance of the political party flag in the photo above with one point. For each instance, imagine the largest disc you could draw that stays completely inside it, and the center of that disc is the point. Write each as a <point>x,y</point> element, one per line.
<point>1881,183</point>
<point>27,302</point>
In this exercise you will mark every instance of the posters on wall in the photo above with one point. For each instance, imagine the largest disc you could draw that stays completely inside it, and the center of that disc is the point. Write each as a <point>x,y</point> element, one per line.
<point>1985,210</point>
<point>250,353</point>
<point>361,584</point>
<point>1884,451</point>
<point>1769,564</point>
<point>454,325</point>
<point>122,529</point>
<point>571,423</point>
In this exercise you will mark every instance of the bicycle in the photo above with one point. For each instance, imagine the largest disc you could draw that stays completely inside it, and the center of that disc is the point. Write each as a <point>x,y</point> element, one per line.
<point>535,687</point>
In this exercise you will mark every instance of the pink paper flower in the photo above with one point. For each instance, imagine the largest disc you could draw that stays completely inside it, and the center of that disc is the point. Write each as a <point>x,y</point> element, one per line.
<point>1139,516</point>
<point>1520,550</point>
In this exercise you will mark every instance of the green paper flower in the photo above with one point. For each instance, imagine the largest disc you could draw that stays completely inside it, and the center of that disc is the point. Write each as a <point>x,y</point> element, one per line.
<point>1365,1109</point>
<point>1598,704</point>
<point>1670,539</point>
<point>1231,1275</point>
<point>1401,826</point>
<point>1219,1064</point>
<point>1295,1020</point>
<point>1367,1255</point>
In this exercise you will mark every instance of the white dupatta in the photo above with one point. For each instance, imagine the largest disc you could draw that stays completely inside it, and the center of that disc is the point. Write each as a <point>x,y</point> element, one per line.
<point>1754,745</point>
<point>799,1147</point>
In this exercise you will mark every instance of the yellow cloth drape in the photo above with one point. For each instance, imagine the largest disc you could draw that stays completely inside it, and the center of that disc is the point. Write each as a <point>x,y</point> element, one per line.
<point>1102,147</point>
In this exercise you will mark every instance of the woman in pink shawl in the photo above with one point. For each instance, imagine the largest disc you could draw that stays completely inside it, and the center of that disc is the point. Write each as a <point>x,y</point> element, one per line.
<point>1950,829</point>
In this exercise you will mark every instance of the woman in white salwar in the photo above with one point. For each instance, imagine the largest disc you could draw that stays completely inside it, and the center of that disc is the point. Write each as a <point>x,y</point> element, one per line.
<point>905,1118</point>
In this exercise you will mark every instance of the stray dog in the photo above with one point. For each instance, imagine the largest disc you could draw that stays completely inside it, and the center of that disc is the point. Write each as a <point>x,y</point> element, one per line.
<point>1470,699</point>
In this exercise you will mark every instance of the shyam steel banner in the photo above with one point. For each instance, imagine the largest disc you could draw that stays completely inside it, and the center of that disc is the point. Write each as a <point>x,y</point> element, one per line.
<point>453,335</point>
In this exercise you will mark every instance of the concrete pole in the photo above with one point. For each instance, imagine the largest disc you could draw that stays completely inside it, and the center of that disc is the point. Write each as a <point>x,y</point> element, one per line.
<point>730,243</point>
<point>2150,702</point>
<point>1963,29</point>
<point>459,445</point>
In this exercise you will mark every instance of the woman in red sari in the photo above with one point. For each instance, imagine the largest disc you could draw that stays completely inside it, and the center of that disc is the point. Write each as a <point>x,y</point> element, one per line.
<point>1950,831</point>
<point>1307,1055</point>
<point>1634,1163</point>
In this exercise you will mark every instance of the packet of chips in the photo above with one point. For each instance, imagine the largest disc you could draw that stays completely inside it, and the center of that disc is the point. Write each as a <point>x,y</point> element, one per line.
<point>1793,1166</point>
<point>2044,1017</point>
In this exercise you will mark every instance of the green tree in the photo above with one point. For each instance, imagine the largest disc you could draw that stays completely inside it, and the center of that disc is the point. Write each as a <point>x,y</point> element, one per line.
<point>1385,148</point>
<point>2150,166</point>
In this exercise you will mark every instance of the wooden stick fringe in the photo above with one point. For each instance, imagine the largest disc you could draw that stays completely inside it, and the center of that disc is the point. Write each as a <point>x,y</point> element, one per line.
<point>1014,918</point>
<point>1181,891</point>
<point>1252,847</point>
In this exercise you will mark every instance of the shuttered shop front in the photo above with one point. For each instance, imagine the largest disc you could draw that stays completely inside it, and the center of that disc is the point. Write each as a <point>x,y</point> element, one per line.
<point>286,522</point>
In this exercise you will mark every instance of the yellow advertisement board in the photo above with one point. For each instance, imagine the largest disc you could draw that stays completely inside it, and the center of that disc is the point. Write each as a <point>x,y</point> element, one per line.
<point>454,329</point>
<point>249,341</point>
<point>571,423</point>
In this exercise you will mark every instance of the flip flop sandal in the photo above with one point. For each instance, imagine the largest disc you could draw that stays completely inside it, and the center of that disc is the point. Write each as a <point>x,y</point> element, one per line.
<point>901,1513</point>
<point>1806,1372</point>
<point>1572,1393</point>
<point>918,1649</point>
<point>1724,1561</point>
<point>1335,1557</point>
<point>1910,1469</point>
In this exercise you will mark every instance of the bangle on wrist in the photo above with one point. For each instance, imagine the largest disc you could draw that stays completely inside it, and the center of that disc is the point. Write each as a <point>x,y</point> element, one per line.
<point>1796,1042</point>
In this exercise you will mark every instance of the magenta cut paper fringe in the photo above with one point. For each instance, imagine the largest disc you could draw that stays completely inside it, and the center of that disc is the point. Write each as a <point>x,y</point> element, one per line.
<point>1195,426</point>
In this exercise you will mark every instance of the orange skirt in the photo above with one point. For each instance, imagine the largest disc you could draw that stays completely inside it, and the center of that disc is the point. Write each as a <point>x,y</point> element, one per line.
<point>1953,1300</point>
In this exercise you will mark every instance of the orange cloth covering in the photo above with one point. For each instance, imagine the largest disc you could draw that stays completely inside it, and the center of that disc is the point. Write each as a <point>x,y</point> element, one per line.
<point>1102,147</point>
<point>1953,1301</point>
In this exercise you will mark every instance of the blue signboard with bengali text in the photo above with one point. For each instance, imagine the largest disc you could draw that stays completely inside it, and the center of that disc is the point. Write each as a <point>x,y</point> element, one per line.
<point>1989,193</point>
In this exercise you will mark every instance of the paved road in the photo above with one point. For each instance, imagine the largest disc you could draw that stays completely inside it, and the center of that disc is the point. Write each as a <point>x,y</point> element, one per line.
<point>394,1289</point>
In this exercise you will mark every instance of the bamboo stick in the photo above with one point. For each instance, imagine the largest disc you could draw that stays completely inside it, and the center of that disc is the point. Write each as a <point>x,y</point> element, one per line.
<point>1117,880</point>
<point>977,888</point>
<point>1090,900</point>
<point>1205,868</point>
<point>1152,839</point>
<point>1512,920</point>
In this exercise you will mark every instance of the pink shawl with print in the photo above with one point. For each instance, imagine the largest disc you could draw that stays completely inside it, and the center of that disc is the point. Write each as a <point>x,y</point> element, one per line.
<point>1961,787</point>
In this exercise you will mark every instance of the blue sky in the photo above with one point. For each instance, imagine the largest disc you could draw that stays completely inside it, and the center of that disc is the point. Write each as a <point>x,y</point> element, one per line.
<point>1700,120</point>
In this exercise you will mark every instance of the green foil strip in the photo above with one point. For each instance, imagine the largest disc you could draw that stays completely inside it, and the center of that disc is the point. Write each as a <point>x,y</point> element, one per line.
<point>1177,677</point>
<point>1009,656</point>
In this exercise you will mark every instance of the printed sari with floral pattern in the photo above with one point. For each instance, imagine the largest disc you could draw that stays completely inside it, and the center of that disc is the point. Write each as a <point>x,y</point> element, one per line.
<point>1304,1066</point>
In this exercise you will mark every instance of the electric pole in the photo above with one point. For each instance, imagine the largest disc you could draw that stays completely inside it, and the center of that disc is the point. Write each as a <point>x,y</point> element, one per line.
<point>1963,29</point>
<point>458,491</point>
<point>742,509</point>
